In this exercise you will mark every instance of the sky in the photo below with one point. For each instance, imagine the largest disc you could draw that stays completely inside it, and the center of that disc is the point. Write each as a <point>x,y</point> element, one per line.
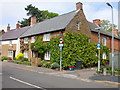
<point>12,11</point>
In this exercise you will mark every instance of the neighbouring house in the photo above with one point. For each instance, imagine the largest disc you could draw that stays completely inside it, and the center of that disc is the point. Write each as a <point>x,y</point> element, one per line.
<point>1,33</point>
<point>10,41</point>
<point>105,37</point>
<point>74,21</point>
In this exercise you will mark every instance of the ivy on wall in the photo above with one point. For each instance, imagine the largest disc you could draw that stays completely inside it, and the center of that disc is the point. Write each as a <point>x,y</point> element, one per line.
<point>76,47</point>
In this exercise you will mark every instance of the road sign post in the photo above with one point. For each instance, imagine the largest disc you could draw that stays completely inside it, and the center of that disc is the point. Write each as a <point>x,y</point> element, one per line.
<point>61,46</point>
<point>98,47</point>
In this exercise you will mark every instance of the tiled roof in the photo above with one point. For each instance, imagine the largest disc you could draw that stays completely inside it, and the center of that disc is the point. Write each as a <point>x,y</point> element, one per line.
<point>14,34</point>
<point>93,26</point>
<point>49,25</point>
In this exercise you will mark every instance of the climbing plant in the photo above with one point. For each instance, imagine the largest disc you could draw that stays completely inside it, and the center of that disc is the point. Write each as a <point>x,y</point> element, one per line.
<point>76,47</point>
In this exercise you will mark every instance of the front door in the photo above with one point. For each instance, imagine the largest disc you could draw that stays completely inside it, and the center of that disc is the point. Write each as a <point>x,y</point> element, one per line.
<point>14,53</point>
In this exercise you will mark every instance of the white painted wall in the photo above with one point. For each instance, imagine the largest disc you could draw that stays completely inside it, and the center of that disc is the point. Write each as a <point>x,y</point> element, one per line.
<point>17,42</point>
<point>17,47</point>
<point>7,42</point>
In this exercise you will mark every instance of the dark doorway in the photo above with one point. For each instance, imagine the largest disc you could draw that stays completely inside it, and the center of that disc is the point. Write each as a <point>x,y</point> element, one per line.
<point>14,53</point>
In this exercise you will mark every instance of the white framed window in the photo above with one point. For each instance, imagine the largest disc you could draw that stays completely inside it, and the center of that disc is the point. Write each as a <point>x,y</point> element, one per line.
<point>104,55</point>
<point>10,43</point>
<point>104,41</point>
<point>32,39</point>
<point>25,54</point>
<point>9,53</point>
<point>25,40</point>
<point>46,37</point>
<point>47,55</point>
<point>78,25</point>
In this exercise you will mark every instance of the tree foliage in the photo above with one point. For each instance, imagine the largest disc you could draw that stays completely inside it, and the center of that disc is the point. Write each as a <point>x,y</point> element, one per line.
<point>107,26</point>
<point>39,14</point>
<point>76,47</point>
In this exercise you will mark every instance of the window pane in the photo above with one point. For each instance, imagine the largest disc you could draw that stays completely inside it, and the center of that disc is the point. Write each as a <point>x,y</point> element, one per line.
<point>25,40</point>
<point>47,55</point>
<point>9,53</point>
<point>46,37</point>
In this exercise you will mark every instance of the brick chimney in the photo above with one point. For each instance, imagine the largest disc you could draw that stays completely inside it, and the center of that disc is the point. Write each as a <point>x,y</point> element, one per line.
<point>17,25</point>
<point>8,27</point>
<point>33,20</point>
<point>116,32</point>
<point>79,5</point>
<point>97,21</point>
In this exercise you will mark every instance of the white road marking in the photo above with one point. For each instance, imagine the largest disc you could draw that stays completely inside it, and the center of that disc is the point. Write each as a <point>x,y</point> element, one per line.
<point>40,72</point>
<point>0,73</point>
<point>69,75</point>
<point>27,83</point>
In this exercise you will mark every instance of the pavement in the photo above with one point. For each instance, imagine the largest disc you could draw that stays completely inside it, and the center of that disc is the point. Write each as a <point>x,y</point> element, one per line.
<point>88,75</point>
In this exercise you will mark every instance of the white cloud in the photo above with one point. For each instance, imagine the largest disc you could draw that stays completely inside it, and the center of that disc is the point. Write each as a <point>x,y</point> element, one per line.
<point>104,13</point>
<point>14,11</point>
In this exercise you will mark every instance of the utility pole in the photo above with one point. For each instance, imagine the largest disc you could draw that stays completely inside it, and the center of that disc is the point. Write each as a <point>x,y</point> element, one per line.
<point>112,39</point>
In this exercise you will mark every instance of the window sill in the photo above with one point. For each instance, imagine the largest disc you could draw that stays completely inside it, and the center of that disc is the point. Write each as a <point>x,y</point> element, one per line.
<point>46,40</point>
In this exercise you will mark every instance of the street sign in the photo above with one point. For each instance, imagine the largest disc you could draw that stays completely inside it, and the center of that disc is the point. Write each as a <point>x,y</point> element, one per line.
<point>61,40</point>
<point>98,45</point>
<point>60,48</point>
<point>60,45</point>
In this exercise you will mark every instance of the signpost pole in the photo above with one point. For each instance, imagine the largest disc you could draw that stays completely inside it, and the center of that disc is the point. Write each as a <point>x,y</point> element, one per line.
<point>60,61</point>
<point>61,45</point>
<point>99,52</point>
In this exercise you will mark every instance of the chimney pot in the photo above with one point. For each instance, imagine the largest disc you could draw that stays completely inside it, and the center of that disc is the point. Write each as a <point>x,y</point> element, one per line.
<point>33,20</point>
<point>8,27</point>
<point>97,21</point>
<point>79,5</point>
<point>116,32</point>
<point>17,25</point>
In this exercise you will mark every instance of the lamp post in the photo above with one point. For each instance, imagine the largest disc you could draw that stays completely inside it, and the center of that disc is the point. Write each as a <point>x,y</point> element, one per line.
<point>112,39</point>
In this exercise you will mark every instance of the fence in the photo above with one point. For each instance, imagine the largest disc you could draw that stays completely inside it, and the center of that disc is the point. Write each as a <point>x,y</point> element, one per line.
<point>116,60</point>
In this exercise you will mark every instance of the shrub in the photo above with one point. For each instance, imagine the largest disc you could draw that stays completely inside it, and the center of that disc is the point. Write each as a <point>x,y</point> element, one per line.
<point>26,62</point>
<point>4,58</point>
<point>14,58</point>
<point>21,58</point>
<point>20,55</point>
<point>25,59</point>
<point>40,63</point>
<point>55,65</point>
<point>46,64</point>
<point>108,69</point>
<point>17,62</point>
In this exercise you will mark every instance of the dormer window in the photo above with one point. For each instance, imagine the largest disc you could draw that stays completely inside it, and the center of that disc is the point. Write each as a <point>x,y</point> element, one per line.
<point>78,25</point>
<point>25,40</point>
<point>46,37</point>
<point>10,43</point>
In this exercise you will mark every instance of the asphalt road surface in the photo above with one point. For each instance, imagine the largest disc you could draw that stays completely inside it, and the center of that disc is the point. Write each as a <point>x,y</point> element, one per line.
<point>18,78</point>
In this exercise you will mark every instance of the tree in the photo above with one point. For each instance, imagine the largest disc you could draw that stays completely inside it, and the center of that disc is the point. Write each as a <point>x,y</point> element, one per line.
<point>40,15</point>
<point>107,26</point>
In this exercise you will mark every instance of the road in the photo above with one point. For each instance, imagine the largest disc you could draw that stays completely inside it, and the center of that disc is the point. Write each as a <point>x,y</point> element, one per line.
<point>18,78</point>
